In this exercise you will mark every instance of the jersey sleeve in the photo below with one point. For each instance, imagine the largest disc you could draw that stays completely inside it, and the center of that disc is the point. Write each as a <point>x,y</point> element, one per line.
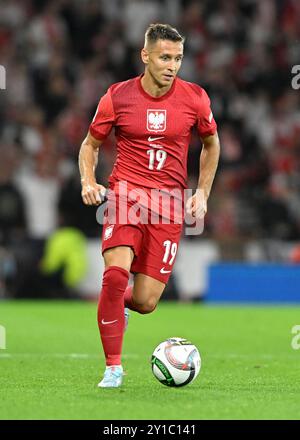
<point>104,118</point>
<point>206,125</point>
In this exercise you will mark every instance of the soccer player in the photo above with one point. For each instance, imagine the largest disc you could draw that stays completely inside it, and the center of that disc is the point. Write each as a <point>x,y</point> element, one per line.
<point>152,115</point>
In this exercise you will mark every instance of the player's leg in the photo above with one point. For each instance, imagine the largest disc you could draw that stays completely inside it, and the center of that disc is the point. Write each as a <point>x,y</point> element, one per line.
<point>153,266</point>
<point>120,256</point>
<point>111,311</point>
<point>144,295</point>
<point>120,243</point>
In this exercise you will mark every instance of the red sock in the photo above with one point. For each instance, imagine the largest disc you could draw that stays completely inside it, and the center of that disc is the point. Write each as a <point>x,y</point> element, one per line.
<point>111,313</point>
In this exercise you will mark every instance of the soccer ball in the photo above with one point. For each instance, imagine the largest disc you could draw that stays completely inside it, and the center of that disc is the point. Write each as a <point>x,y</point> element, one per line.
<point>176,362</point>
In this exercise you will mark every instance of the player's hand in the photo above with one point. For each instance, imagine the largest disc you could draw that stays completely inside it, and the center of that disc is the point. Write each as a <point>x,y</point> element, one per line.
<point>92,193</point>
<point>196,206</point>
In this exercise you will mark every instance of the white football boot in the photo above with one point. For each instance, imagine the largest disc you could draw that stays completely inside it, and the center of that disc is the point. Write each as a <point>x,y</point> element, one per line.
<point>113,377</point>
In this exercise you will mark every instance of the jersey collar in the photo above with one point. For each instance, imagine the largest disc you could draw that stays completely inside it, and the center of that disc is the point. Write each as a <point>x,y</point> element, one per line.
<point>152,98</point>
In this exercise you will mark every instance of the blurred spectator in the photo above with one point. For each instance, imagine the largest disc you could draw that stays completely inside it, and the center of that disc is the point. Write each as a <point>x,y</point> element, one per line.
<point>40,189</point>
<point>63,265</point>
<point>12,216</point>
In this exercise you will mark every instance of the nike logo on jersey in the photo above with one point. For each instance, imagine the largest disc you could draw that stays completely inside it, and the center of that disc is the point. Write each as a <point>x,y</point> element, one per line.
<point>152,139</point>
<point>108,322</point>
<point>162,270</point>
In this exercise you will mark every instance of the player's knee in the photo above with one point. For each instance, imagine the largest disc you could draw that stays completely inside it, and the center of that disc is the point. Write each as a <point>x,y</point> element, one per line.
<point>118,256</point>
<point>148,307</point>
<point>115,277</point>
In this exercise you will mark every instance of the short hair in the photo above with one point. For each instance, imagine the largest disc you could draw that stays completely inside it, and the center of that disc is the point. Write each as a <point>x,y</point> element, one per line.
<point>160,31</point>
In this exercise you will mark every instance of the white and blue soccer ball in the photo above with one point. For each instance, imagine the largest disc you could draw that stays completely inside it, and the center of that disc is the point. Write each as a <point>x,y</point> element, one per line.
<point>176,362</point>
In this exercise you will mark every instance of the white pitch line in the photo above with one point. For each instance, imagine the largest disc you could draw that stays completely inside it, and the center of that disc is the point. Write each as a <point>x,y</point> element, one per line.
<point>62,355</point>
<point>136,356</point>
<point>228,356</point>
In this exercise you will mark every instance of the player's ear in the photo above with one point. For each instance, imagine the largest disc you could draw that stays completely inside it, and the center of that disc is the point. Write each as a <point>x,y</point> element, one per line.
<point>145,55</point>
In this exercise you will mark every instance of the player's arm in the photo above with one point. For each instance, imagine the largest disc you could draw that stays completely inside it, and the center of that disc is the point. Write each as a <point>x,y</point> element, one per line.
<point>88,159</point>
<point>209,158</point>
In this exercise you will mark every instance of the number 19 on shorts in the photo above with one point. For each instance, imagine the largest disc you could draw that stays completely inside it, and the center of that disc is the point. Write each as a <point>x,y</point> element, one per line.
<point>170,252</point>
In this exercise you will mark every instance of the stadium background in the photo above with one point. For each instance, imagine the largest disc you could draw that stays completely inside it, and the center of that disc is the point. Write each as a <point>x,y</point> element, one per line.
<point>60,56</point>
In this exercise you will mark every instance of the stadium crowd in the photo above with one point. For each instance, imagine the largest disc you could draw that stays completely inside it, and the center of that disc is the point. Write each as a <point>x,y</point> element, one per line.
<point>60,57</point>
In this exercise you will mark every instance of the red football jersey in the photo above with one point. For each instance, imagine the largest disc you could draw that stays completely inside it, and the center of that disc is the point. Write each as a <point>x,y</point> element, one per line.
<point>153,134</point>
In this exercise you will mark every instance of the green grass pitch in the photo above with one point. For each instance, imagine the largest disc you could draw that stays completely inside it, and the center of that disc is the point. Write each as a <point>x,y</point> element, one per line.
<point>53,361</point>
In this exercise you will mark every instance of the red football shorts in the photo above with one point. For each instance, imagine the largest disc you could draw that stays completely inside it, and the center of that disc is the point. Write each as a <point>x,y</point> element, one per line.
<point>154,245</point>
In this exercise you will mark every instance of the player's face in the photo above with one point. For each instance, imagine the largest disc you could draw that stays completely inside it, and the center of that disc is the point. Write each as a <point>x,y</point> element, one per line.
<point>163,60</point>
